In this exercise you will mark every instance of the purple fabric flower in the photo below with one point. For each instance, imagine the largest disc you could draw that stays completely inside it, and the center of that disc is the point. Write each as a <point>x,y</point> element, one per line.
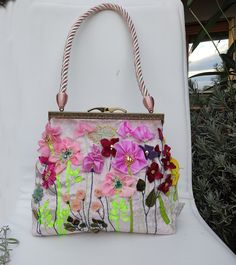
<point>149,152</point>
<point>129,157</point>
<point>93,162</point>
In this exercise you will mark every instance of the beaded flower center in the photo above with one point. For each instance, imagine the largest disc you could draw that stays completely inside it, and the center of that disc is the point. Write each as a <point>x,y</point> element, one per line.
<point>117,184</point>
<point>129,160</point>
<point>66,154</point>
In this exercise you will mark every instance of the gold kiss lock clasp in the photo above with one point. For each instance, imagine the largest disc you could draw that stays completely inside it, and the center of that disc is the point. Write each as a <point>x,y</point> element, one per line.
<point>108,109</point>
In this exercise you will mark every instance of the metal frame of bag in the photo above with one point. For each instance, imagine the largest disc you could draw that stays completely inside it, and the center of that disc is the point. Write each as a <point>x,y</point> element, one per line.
<point>104,171</point>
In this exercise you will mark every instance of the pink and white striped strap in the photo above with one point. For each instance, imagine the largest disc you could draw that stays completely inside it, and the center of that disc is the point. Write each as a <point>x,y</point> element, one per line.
<point>62,96</point>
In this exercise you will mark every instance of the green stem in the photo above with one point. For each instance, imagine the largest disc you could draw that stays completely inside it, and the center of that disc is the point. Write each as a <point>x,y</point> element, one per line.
<point>90,200</point>
<point>131,215</point>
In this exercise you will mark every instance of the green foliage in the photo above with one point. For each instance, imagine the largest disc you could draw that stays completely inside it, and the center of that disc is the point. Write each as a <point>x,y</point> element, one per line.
<point>214,158</point>
<point>213,119</point>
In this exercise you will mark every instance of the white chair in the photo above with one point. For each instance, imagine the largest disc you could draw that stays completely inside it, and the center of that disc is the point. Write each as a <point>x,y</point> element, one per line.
<point>101,74</point>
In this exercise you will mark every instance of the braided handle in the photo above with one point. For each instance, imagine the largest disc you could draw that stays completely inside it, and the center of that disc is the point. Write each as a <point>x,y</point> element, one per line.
<point>62,96</point>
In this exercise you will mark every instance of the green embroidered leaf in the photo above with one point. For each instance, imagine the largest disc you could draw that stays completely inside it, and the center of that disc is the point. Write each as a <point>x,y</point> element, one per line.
<point>125,218</point>
<point>163,210</point>
<point>69,227</point>
<point>115,205</point>
<point>151,199</point>
<point>141,185</point>
<point>114,217</point>
<point>78,179</point>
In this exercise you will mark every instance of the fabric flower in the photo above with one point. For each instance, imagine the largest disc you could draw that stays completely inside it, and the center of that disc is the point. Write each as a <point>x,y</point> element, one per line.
<point>38,194</point>
<point>150,152</point>
<point>129,157</point>
<point>166,150</point>
<point>66,150</point>
<point>165,186</point>
<point>93,162</point>
<point>160,133</point>
<point>49,173</point>
<point>175,172</point>
<point>153,172</point>
<point>167,164</point>
<point>83,128</point>
<point>49,137</point>
<point>96,206</point>
<point>118,183</point>
<point>75,205</point>
<point>157,149</point>
<point>80,194</point>
<point>108,147</point>
<point>124,129</point>
<point>142,133</point>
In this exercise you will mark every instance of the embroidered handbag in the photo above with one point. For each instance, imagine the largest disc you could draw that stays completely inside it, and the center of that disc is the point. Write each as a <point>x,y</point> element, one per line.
<point>104,171</point>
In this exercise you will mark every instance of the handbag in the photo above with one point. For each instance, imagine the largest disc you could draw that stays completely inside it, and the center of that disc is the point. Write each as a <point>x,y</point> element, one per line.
<point>105,169</point>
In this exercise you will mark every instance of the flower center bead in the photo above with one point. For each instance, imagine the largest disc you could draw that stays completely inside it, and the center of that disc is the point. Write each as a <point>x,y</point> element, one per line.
<point>118,184</point>
<point>146,153</point>
<point>153,172</point>
<point>66,154</point>
<point>129,160</point>
<point>111,147</point>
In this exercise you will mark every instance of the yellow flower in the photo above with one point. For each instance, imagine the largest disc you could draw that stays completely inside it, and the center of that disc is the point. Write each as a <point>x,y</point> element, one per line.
<point>175,171</point>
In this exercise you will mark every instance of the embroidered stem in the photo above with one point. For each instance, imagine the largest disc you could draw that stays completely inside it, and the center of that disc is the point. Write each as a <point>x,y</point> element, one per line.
<point>68,168</point>
<point>58,212</point>
<point>55,217</point>
<point>108,215</point>
<point>38,223</point>
<point>131,205</point>
<point>110,163</point>
<point>85,216</point>
<point>144,208</point>
<point>155,208</point>
<point>103,208</point>
<point>90,199</point>
<point>131,215</point>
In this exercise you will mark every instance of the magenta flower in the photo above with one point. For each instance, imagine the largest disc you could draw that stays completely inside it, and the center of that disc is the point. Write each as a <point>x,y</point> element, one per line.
<point>66,150</point>
<point>49,173</point>
<point>129,157</point>
<point>117,183</point>
<point>49,137</point>
<point>93,162</point>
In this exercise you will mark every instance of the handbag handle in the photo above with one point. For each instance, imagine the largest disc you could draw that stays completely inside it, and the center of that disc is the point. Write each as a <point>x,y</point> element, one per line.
<point>62,97</point>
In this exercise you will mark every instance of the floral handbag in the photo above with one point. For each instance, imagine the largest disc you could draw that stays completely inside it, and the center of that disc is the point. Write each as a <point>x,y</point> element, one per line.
<point>104,171</point>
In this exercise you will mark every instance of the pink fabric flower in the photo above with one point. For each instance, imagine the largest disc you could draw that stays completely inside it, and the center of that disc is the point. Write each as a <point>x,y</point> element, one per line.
<point>93,162</point>
<point>66,150</point>
<point>83,128</point>
<point>142,133</point>
<point>49,137</point>
<point>118,183</point>
<point>49,173</point>
<point>129,157</point>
